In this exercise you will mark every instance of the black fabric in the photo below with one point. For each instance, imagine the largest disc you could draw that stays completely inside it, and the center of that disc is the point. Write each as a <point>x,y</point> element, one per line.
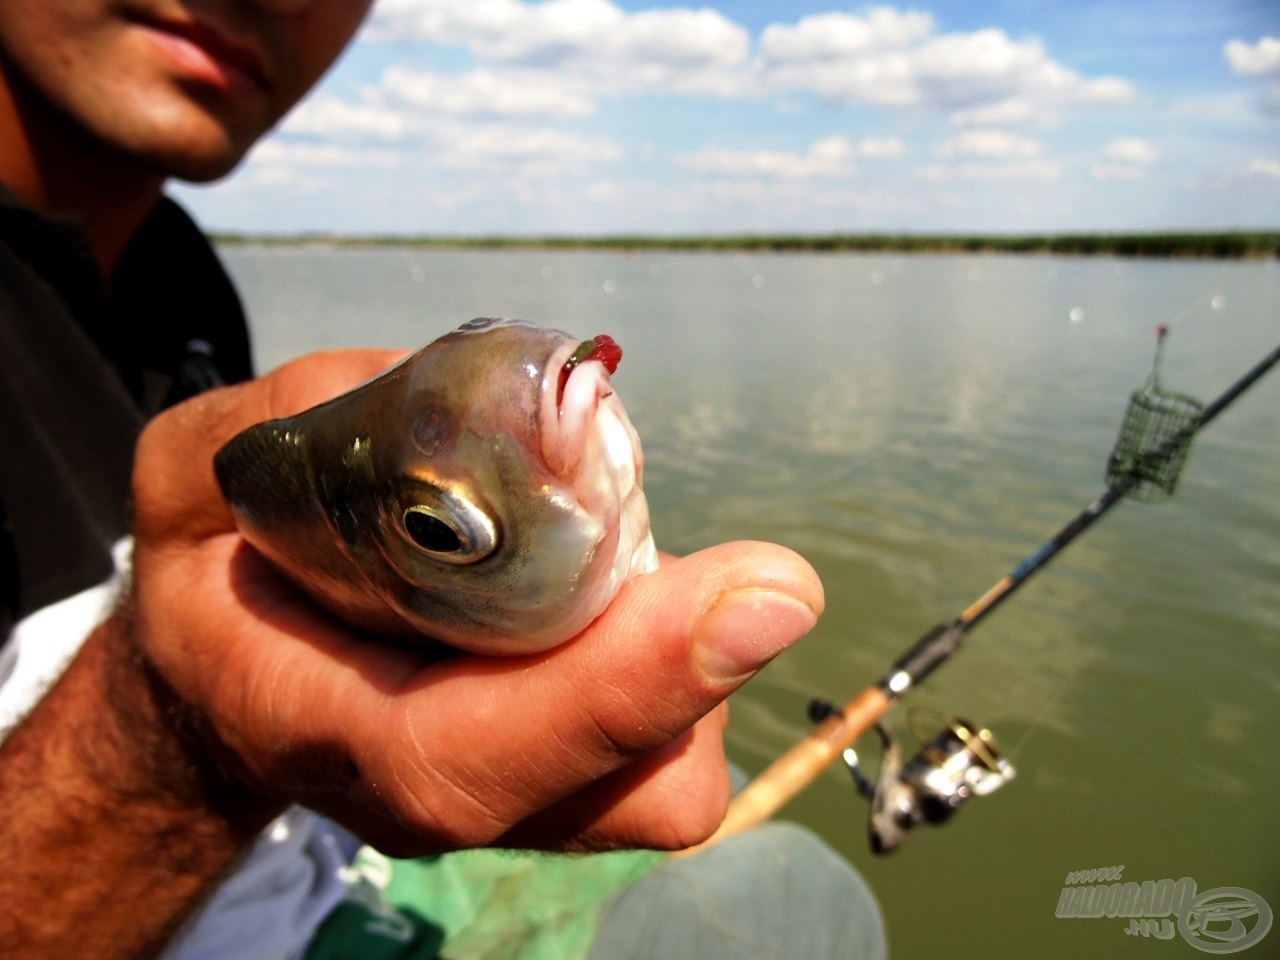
<point>81,369</point>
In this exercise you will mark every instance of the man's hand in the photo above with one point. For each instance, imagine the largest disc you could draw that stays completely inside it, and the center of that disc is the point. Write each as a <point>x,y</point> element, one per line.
<point>611,739</point>
<point>218,694</point>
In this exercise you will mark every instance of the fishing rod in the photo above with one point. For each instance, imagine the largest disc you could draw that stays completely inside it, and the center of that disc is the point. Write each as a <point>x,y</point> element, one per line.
<point>964,760</point>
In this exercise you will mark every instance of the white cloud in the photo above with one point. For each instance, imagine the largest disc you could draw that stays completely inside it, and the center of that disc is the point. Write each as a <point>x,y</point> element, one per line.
<point>496,29</point>
<point>881,56</point>
<point>830,157</point>
<point>1261,59</point>
<point>788,201</point>
<point>1117,171</point>
<point>779,164</point>
<point>893,59</point>
<point>484,93</point>
<point>1011,110</point>
<point>327,116</point>
<point>330,132</point>
<point>998,144</point>
<point>1031,171</point>
<point>500,109</point>
<point>934,172</point>
<point>883,148</point>
<point>677,49</point>
<point>1263,167</point>
<point>281,153</point>
<point>829,36</point>
<point>1130,150</point>
<point>308,166</point>
<point>1256,59</point>
<point>529,151</point>
<point>1270,102</point>
<point>408,106</point>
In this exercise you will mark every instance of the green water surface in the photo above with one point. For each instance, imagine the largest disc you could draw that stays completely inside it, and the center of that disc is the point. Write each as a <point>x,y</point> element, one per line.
<point>915,426</point>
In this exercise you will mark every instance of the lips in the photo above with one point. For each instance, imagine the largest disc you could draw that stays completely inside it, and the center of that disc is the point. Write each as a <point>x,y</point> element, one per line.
<point>590,445</point>
<point>569,410</point>
<point>213,54</point>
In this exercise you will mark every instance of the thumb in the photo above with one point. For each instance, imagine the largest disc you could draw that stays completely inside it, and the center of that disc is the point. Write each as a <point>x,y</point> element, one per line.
<point>669,649</point>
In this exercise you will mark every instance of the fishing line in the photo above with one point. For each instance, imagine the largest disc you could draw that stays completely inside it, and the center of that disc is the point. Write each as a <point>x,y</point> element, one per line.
<point>963,759</point>
<point>1036,723</point>
<point>1216,301</point>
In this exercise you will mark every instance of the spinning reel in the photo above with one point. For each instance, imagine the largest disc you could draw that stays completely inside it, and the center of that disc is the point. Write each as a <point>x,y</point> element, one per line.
<point>959,762</point>
<point>962,760</point>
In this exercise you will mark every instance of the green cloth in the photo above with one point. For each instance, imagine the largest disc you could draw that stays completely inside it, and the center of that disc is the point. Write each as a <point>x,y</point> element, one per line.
<point>495,904</point>
<point>776,892</point>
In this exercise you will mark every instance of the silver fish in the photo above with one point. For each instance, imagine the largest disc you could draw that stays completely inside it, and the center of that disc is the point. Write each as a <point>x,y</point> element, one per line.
<point>484,493</point>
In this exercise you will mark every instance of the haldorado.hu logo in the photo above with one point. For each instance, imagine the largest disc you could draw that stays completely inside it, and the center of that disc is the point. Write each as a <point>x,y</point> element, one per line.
<point>1220,920</point>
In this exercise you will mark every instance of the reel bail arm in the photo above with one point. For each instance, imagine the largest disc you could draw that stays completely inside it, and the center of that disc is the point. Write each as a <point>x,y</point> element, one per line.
<point>958,762</point>
<point>842,727</point>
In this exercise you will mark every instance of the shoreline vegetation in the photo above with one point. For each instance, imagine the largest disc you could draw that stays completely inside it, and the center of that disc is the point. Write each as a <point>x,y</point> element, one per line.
<point>1235,245</point>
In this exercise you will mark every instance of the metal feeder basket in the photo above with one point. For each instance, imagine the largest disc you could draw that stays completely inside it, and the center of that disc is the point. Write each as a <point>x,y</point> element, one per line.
<point>1154,441</point>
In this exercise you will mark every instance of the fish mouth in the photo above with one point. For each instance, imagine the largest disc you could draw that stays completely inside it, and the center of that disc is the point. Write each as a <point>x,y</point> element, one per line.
<point>588,442</point>
<point>582,418</point>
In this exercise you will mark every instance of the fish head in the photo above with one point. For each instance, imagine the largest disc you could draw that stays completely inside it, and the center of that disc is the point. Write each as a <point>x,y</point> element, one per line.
<point>486,493</point>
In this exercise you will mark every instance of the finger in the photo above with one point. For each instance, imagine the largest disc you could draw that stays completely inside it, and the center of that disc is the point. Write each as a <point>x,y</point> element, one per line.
<point>422,758</point>
<point>669,799</point>
<point>669,649</point>
<point>182,490</point>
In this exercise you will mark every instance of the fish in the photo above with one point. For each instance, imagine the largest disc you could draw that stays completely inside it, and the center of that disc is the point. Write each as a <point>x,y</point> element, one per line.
<point>485,493</point>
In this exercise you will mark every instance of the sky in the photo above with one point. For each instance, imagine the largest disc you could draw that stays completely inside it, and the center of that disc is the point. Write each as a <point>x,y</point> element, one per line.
<point>598,117</point>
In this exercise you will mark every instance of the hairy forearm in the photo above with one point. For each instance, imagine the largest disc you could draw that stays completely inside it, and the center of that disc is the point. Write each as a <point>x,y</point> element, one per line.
<point>111,833</point>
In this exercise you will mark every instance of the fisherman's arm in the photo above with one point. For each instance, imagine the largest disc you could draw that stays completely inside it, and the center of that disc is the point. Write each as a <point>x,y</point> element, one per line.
<point>111,833</point>
<point>131,795</point>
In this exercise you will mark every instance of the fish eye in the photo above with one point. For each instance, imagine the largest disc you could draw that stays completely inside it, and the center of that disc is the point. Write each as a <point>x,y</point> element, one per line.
<point>451,532</point>
<point>430,532</point>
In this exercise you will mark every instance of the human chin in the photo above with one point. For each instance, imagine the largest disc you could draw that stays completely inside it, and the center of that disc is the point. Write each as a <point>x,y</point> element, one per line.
<point>192,115</point>
<point>186,143</point>
<point>200,162</point>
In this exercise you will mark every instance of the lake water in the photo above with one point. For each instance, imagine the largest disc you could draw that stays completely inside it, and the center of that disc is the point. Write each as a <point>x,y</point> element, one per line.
<point>914,426</point>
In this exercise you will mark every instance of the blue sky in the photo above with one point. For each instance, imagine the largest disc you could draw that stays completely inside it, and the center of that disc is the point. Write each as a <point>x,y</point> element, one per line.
<point>612,116</point>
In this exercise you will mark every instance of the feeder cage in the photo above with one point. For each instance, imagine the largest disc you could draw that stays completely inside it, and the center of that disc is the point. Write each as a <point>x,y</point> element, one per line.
<point>1155,438</point>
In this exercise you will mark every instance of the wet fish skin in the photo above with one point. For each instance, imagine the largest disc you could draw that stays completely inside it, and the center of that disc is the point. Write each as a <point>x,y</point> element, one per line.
<point>455,498</point>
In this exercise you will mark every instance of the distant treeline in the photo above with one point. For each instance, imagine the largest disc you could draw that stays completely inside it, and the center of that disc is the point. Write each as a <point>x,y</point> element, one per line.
<point>1234,245</point>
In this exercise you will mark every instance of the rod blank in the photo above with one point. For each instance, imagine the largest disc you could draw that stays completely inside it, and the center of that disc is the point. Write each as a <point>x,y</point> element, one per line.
<point>798,767</point>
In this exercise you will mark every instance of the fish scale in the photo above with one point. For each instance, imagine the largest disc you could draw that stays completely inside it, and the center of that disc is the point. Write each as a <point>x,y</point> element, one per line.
<point>508,532</point>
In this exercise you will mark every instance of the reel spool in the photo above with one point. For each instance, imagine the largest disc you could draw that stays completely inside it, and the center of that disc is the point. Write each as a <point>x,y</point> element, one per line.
<point>963,760</point>
<point>1155,438</point>
<point>959,762</point>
